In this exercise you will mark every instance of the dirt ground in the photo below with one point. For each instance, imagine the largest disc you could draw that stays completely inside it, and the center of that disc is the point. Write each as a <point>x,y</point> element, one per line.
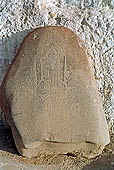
<point>8,150</point>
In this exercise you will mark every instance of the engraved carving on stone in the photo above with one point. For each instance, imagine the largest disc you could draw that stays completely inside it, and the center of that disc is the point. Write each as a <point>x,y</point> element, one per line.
<point>51,68</point>
<point>51,74</point>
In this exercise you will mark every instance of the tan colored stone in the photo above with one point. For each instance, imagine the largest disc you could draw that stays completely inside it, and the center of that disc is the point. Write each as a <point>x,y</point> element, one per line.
<point>50,97</point>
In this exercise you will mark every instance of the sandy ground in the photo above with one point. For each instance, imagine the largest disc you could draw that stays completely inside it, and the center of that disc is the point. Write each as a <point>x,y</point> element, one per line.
<point>9,152</point>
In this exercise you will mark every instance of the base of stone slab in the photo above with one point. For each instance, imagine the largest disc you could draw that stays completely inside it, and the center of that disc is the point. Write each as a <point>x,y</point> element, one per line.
<point>88,150</point>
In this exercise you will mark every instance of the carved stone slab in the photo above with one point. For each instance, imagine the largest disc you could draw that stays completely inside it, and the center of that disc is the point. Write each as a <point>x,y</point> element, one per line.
<point>50,97</point>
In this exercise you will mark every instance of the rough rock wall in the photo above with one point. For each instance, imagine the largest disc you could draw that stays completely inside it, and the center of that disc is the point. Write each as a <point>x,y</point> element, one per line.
<point>92,20</point>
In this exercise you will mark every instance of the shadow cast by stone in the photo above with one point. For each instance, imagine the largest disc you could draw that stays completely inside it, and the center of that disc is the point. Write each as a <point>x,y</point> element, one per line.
<point>6,139</point>
<point>103,163</point>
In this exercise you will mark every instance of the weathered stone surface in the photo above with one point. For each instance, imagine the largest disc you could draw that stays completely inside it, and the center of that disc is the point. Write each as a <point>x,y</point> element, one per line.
<point>50,97</point>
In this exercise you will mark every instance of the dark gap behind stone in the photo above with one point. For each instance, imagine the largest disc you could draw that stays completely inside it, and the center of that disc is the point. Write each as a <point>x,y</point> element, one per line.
<point>6,138</point>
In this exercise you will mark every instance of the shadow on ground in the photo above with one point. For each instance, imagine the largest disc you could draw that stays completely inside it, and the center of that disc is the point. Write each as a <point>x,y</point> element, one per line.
<point>103,163</point>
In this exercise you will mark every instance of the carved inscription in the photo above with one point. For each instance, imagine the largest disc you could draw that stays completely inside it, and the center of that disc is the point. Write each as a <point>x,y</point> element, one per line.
<point>52,73</point>
<point>52,68</point>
